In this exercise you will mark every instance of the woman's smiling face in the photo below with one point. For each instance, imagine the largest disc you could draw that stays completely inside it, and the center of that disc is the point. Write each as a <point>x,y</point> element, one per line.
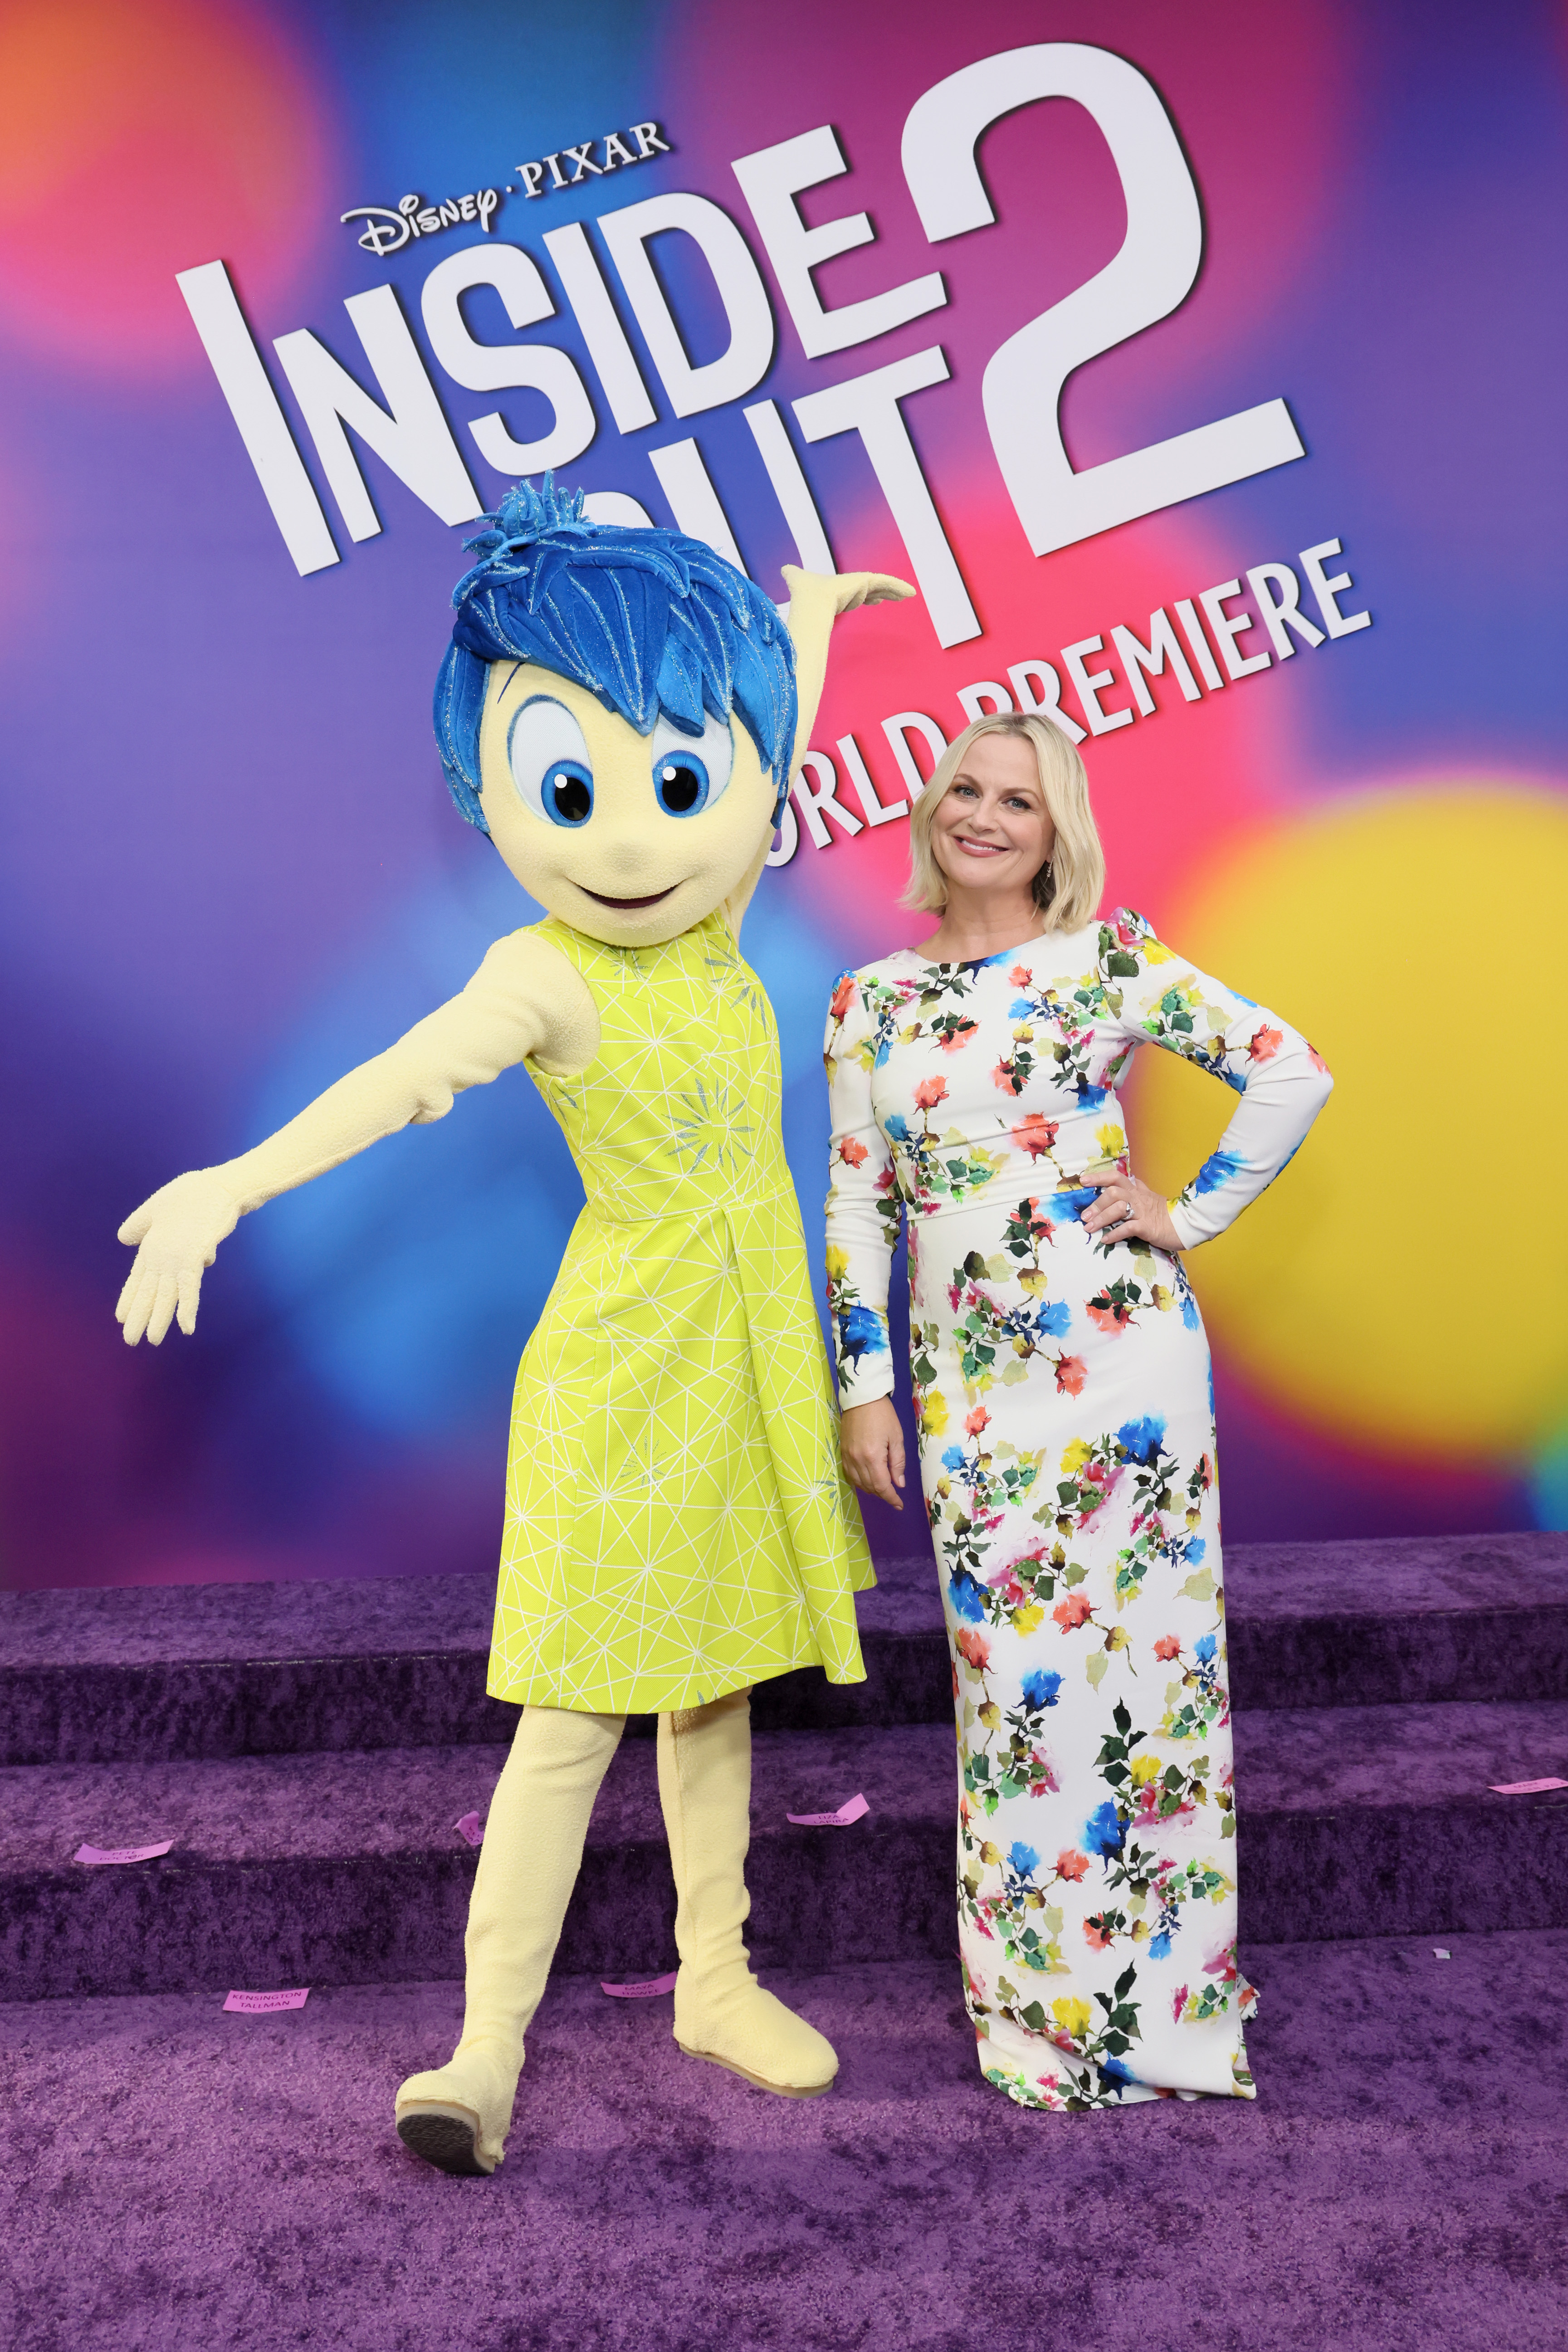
<point>991,831</point>
<point>629,838</point>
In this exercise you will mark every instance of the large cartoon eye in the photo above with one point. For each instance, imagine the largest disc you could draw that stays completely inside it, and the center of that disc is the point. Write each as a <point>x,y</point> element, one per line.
<point>548,762</point>
<point>691,772</point>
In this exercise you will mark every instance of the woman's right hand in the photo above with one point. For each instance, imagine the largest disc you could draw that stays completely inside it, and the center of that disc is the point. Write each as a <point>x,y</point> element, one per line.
<point>871,1442</point>
<point>178,1230</point>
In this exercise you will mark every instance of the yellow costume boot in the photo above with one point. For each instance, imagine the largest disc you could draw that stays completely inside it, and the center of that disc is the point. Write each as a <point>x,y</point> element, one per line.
<point>721,2012</point>
<point>456,2116</point>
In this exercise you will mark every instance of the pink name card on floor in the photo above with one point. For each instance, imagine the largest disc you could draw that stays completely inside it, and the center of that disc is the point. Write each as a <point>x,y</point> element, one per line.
<point>1523,1787</point>
<point>469,1825</point>
<point>262,2004</point>
<point>93,1855</point>
<point>640,1991</point>
<point>851,1811</point>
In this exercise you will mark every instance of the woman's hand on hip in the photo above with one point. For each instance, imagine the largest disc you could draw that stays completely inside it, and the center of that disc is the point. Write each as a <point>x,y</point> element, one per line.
<point>872,1441</point>
<point>1130,1210</point>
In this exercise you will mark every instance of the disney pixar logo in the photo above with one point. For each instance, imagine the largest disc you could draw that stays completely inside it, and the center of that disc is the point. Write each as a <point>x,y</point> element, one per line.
<point>387,228</point>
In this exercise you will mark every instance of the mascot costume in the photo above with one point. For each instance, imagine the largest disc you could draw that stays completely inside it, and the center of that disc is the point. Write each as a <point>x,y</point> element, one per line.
<point>677,1525</point>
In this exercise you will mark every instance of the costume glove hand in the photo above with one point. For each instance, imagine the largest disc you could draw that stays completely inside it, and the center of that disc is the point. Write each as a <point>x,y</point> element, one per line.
<point>869,588</point>
<point>848,588</point>
<point>179,1230</point>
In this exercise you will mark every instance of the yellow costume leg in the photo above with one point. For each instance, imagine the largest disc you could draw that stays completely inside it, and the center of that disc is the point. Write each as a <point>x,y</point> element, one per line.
<point>721,2014</point>
<point>456,2116</point>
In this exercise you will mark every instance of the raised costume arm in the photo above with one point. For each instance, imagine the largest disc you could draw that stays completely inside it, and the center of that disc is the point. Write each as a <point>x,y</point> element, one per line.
<point>1283,1080</point>
<point>524,999</point>
<point>862,1204</point>
<point>817,599</point>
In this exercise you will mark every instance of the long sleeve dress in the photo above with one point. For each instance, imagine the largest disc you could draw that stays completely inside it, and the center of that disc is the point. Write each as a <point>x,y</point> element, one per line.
<point>1065,1405</point>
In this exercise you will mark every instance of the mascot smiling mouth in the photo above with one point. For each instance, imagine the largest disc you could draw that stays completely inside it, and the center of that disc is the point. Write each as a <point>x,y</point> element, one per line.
<point>627,906</point>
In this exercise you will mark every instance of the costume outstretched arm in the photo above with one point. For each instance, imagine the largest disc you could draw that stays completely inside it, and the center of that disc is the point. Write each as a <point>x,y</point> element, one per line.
<point>524,999</point>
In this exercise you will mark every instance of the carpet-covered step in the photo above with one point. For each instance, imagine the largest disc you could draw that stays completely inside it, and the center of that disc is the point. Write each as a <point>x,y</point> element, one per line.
<point>1384,1821</point>
<point>218,1670</point>
<point>140,1673</point>
<point>345,1867</point>
<point>185,1671</point>
<point>1399,1621</point>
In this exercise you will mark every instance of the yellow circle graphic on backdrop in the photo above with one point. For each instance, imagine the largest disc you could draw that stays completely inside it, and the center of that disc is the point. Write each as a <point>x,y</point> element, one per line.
<point>1404,1283</point>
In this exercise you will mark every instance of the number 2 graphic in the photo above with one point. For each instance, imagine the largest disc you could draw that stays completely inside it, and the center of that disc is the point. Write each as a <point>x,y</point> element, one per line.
<point>1150,277</point>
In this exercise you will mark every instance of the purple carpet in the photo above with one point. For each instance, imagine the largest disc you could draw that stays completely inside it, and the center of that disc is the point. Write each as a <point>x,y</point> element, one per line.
<point>177,2178</point>
<point>344,1867</point>
<point>189,1670</point>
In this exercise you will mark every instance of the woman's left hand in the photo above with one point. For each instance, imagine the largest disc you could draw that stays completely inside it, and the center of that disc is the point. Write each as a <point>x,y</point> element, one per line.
<point>1128,1211</point>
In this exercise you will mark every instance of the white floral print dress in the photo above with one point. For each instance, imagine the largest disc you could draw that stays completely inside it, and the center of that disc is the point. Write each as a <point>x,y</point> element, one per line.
<point>1066,1411</point>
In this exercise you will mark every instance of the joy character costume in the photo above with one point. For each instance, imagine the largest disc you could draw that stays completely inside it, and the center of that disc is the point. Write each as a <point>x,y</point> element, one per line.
<point>677,1525</point>
<point>1066,1437</point>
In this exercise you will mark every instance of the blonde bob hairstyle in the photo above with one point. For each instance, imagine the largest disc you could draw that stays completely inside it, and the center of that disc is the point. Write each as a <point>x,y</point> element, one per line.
<point>1067,887</point>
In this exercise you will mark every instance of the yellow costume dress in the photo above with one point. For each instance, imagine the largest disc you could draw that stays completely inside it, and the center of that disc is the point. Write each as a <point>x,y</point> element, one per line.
<point>676,1523</point>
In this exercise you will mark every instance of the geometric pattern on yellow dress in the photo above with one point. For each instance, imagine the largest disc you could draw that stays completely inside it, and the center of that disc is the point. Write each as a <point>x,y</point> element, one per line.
<point>676,1523</point>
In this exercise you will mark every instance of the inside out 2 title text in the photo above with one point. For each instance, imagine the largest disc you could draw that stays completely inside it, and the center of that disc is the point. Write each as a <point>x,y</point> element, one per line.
<point>618,361</point>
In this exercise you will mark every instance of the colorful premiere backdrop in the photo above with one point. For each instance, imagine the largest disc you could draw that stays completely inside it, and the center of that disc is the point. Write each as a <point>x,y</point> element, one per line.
<point>802,279</point>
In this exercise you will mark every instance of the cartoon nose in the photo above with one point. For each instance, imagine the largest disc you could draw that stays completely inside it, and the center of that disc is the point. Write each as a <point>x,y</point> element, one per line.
<point>624,861</point>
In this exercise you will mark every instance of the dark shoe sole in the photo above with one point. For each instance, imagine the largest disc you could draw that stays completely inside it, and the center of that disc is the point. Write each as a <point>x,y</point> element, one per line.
<point>446,2141</point>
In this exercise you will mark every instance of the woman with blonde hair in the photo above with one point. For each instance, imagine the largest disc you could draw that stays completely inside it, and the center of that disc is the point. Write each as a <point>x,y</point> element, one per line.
<point>1065,1410</point>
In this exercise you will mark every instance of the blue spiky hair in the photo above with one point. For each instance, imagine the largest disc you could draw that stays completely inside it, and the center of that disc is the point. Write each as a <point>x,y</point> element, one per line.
<point>655,625</point>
